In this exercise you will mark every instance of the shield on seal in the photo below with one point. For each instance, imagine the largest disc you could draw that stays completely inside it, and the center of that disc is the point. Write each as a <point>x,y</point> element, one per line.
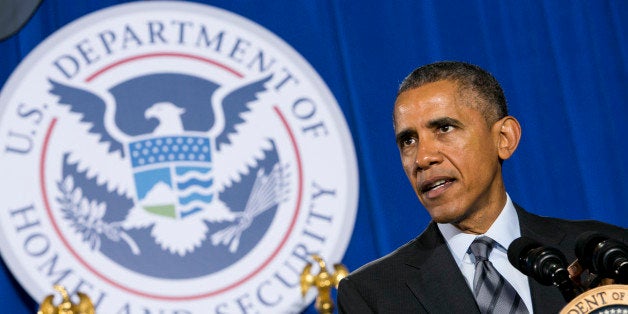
<point>172,174</point>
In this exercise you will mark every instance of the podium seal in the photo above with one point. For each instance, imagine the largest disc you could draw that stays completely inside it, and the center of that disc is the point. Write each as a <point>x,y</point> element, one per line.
<point>609,299</point>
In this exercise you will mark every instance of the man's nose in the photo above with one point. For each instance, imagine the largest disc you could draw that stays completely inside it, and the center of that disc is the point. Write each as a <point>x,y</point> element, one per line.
<point>427,155</point>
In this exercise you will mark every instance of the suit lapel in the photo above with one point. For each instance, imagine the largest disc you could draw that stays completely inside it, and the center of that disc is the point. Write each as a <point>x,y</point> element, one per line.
<point>543,297</point>
<point>435,279</point>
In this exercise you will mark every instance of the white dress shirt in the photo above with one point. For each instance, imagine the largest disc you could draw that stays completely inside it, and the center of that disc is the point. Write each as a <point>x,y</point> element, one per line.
<point>504,230</point>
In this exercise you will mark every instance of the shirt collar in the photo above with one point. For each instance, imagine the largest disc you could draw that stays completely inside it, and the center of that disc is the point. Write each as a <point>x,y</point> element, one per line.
<point>504,230</point>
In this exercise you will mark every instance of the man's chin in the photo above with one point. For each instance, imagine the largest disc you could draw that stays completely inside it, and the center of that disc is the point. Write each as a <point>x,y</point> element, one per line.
<point>445,217</point>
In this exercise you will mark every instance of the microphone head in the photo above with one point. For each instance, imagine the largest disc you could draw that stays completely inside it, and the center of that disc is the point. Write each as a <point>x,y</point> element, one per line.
<point>602,255</point>
<point>537,261</point>
<point>518,250</point>
<point>586,245</point>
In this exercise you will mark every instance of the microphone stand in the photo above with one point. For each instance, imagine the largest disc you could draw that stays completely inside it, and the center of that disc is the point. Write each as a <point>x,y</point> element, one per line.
<point>560,278</point>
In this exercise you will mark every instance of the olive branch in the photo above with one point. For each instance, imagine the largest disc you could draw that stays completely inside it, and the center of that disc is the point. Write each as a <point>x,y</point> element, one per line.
<point>85,217</point>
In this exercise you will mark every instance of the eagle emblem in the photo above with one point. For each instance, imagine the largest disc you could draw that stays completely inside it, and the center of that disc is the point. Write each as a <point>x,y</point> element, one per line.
<point>177,145</point>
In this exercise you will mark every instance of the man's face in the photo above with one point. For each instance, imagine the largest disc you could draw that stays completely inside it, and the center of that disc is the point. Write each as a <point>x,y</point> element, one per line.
<point>449,154</point>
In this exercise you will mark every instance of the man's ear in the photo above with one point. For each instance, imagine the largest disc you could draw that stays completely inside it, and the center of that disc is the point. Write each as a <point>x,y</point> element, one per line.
<point>508,132</point>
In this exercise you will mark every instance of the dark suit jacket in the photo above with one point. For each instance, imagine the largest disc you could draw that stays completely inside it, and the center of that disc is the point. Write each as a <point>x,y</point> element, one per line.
<point>422,275</point>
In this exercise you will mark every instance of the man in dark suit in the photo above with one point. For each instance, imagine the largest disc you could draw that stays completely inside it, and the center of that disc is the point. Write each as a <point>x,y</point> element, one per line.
<point>453,132</point>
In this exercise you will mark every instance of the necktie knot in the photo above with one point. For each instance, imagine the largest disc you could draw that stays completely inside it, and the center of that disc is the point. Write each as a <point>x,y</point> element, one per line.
<point>481,248</point>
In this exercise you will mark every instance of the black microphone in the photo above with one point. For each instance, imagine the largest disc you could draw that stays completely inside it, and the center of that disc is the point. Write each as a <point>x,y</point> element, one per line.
<point>603,256</point>
<point>547,265</point>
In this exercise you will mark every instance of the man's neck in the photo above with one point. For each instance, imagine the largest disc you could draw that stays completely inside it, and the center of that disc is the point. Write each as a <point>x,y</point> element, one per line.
<point>480,220</point>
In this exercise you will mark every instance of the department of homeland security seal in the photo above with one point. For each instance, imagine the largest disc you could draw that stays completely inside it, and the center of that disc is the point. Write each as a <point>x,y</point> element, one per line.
<point>171,157</point>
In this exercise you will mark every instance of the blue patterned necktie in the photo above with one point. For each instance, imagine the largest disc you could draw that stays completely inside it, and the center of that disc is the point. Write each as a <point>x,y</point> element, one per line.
<point>492,292</point>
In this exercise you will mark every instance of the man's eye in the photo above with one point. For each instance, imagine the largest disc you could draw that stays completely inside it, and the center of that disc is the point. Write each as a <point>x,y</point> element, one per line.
<point>446,128</point>
<point>407,142</point>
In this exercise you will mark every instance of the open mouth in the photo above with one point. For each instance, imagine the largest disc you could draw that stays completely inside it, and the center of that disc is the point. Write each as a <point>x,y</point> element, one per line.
<point>436,184</point>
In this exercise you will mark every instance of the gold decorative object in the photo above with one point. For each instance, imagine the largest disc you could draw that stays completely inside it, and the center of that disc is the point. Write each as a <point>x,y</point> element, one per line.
<point>323,281</point>
<point>66,306</point>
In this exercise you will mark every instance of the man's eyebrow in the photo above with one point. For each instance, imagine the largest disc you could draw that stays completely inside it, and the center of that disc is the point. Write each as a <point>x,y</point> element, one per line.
<point>444,121</point>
